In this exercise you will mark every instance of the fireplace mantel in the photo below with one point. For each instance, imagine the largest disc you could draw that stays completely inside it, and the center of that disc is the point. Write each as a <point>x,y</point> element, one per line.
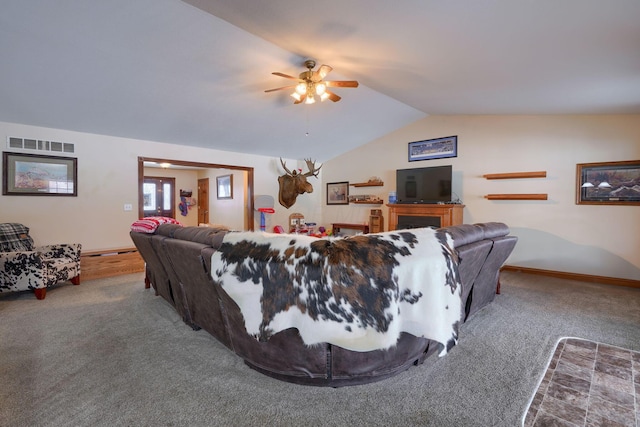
<point>445,214</point>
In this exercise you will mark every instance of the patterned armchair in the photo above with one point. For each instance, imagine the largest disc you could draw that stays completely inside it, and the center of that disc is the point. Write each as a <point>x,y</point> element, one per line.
<point>26,267</point>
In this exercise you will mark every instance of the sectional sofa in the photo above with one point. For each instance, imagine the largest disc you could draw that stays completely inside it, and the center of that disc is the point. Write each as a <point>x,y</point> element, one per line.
<point>190,268</point>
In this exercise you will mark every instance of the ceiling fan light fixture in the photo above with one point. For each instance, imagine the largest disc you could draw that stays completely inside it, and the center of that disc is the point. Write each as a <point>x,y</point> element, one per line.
<point>296,96</point>
<point>310,99</point>
<point>324,96</point>
<point>320,88</point>
<point>301,88</point>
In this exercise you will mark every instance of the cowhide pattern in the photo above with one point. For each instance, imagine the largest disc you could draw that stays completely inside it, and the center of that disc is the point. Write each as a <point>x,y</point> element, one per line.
<point>43,267</point>
<point>357,292</point>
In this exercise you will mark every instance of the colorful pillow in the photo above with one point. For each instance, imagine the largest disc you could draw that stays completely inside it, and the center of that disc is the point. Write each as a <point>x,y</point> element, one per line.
<point>151,223</point>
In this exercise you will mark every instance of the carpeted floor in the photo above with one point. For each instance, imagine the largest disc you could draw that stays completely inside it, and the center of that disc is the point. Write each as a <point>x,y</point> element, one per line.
<point>588,384</point>
<point>110,353</point>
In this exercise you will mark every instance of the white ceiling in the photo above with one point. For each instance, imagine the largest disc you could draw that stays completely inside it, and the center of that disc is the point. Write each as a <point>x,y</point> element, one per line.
<point>194,72</point>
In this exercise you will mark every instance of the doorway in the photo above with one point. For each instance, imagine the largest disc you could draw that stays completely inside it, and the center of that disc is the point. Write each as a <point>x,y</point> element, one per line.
<point>248,209</point>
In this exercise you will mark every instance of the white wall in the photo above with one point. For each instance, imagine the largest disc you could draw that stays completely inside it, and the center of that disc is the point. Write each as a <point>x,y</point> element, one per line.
<point>555,234</point>
<point>108,179</point>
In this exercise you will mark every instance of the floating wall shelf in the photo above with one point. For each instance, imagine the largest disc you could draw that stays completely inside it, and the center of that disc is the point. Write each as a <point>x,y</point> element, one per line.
<point>368,184</point>
<point>514,175</point>
<point>516,196</point>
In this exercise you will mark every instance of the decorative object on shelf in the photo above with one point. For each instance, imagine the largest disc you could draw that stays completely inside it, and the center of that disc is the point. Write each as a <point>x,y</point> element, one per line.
<point>428,149</point>
<point>293,183</point>
<point>516,175</point>
<point>311,84</point>
<point>186,201</point>
<point>374,181</point>
<point>39,175</point>
<point>338,193</point>
<point>365,199</point>
<point>224,185</point>
<point>539,196</point>
<point>608,183</point>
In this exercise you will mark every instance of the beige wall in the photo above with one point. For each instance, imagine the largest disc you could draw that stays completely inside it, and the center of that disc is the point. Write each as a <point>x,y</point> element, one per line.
<point>108,179</point>
<point>555,234</point>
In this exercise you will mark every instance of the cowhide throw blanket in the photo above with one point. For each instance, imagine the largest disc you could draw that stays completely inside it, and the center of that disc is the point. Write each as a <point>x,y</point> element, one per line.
<point>357,292</point>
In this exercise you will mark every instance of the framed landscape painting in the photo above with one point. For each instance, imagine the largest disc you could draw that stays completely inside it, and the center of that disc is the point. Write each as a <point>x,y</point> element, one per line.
<point>428,149</point>
<point>39,175</point>
<point>608,183</point>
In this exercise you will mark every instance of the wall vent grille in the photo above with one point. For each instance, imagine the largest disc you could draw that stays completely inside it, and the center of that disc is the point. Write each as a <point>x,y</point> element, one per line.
<point>40,145</point>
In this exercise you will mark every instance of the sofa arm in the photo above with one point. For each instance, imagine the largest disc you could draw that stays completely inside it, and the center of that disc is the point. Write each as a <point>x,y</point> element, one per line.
<point>62,250</point>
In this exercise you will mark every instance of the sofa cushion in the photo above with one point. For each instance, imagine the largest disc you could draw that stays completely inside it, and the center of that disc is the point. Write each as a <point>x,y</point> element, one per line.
<point>206,235</point>
<point>15,237</point>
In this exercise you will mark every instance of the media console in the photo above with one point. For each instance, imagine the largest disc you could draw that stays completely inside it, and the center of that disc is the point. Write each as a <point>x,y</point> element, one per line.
<point>424,215</point>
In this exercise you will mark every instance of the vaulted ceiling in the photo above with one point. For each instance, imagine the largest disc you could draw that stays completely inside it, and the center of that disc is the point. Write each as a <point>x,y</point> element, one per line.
<point>194,72</point>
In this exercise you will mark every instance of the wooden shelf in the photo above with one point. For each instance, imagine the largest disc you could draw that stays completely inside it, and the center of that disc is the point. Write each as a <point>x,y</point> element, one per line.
<point>365,202</point>
<point>515,175</point>
<point>516,196</point>
<point>368,184</point>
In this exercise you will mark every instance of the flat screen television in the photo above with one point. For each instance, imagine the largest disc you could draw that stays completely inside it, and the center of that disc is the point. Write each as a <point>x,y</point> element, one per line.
<point>424,185</point>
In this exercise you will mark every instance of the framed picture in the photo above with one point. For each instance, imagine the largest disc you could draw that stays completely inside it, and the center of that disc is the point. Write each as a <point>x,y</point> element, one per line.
<point>338,193</point>
<point>608,183</point>
<point>224,185</point>
<point>428,149</point>
<point>38,175</point>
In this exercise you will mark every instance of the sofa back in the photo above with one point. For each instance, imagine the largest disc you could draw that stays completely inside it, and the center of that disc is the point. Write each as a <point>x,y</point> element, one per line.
<point>482,250</point>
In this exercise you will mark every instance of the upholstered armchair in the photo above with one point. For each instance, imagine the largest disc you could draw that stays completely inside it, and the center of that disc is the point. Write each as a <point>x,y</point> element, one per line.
<point>24,266</point>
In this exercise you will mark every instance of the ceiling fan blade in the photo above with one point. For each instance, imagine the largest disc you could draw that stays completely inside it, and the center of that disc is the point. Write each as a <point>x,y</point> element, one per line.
<point>280,88</point>
<point>286,76</point>
<point>341,83</point>
<point>333,96</point>
<point>302,98</point>
<point>323,71</point>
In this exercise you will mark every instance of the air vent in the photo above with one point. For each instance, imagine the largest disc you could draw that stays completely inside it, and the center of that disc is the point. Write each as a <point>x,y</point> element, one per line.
<point>40,145</point>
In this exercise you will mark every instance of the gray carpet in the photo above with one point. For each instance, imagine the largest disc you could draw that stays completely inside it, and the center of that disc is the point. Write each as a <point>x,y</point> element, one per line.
<point>109,352</point>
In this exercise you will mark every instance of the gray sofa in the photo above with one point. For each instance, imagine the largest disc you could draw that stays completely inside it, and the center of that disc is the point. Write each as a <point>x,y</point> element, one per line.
<point>178,266</point>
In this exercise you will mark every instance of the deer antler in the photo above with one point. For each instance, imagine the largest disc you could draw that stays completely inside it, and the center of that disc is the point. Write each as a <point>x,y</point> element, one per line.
<point>285,167</point>
<point>311,165</point>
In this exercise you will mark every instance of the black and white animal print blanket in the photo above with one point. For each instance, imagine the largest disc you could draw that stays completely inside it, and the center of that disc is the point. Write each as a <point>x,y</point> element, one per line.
<point>357,292</point>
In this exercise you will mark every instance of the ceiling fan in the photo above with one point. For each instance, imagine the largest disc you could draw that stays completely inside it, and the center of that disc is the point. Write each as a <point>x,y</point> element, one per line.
<point>311,84</point>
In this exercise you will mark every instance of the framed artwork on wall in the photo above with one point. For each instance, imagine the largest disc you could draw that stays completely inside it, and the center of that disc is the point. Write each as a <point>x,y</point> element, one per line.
<point>608,183</point>
<point>39,175</point>
<point>224,185</point>
<point>428,149</point>
<point>338,193</point>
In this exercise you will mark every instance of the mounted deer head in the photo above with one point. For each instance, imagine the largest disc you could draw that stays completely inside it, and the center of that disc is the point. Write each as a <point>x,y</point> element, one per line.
<point>294,183</point>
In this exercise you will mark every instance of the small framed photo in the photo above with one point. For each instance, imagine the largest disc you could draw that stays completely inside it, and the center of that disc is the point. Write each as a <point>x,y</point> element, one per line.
<point>428,149</point>
<point>39,175</point>
<point>224,185</point>
<point>608,183</point>
<point>338,193</point>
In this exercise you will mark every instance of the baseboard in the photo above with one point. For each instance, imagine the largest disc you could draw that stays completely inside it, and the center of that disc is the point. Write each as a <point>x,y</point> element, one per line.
<point>575,276</point>
<point>111,262</point>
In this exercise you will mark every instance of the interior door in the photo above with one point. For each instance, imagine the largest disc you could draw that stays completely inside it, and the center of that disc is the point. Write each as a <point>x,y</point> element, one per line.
<point>203,201</point>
